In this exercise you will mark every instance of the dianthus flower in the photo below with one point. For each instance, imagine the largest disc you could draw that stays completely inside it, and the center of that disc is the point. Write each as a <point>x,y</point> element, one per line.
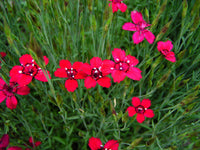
<point>165,48</point>
<point>33,144</point>
<point>141,108</point>
<point>96,144</point>
<point>122,67</point>
<point>71,72</point>
<point>4,141</point>
<point>28,70</point>
<point>95,74</point>
<point>2,55</point>
<point>139,25</point>
<point>117,4</point>
<point>7,92</point>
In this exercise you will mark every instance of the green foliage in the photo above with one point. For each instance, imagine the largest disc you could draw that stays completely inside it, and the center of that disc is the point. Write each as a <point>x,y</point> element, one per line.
<point>79,30</point>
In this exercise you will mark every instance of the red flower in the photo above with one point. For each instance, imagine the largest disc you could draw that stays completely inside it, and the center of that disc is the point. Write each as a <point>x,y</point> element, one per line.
<point>122,67</point>
<point>139,26</point>
<point>2,55</point>
<point>95,144</point>
<point>7,92</point>
<point>165,48</point>
<point>33,144</point>
<point>70,72</point>
<point>4,141</point>
<point>24,74</point>
<point>141,108</point>
<point>96,75</point>
<point>117,4</point>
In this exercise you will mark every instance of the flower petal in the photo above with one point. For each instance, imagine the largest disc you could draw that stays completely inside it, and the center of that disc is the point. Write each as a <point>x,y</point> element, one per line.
<point>146,103</point>
<point>118,76</point>
<point>107,67</point>
<point>3,54</point>
<point>118,54</point>
<point>89,82</point>
<point>25,59</point>
<point>87,68</point>
<point>94,143</point>
<point>2,82</point>
<point>4,141</point>
<point>114,7</point>
<point>14,148</point>
<point>137,17</point>
<point>14,72</point>
<point>131,111</point>
<point>61,73</point>
<point>134,73</point>
<point>168,45</point>
<point>136,101</point>
<point>131,60</point>
<point>160,45</point>
<point>96,62</point>
<point>112,144</point>
<point>2,96</point>
<point>149,36</point>
<point>71,85</point>
<point>140,118</point>
<point>138,37</point>
<point>23,90</point>
<point>129,26</point>
<point>149,113</point>
<point>171,57</point>
<point>23,79</point>
<point>104,82</point>
<point>41,75</point>
<point>77,66</point>
<point>11,102</point>
<point>46,60</point>
<point>123,7</point>
<point>65,64</point>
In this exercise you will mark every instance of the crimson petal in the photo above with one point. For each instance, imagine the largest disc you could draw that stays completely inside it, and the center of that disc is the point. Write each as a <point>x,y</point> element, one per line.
<point>112,144</point>
<point>25,59</point>
<point>89,82</point>
<point>94,143</point>
<point>131,111</point>
<point>71,85</point>
<point>149,113</point>
<point>140,118</point>
<point>118,76</point>
<point>104,82</point>
<point>11,102</point>
<point>136,101</point>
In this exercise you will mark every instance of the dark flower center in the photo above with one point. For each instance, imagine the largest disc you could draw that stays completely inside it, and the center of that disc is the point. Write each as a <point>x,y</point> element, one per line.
<point>30,69</point>
<point>71,73</point>
<point>8,90</point>
<point>96,73</point>
<point>116,1</point>
<point>164,51</point>
<point>121,66</point>
<point>140,109</point>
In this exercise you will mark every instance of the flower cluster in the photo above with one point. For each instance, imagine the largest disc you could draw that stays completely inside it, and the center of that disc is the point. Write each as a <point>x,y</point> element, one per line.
<point>4,142</point>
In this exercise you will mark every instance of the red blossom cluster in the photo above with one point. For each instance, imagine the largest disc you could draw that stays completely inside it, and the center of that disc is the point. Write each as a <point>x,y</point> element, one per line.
<point>95,72</point>
<point>4,142</point>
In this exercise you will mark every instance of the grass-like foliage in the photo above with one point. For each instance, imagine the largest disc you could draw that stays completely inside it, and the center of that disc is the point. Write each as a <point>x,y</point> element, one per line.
<point>78,30</point>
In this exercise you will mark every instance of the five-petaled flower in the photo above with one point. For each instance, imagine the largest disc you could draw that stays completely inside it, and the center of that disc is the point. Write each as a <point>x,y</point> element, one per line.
<point>33,144</point>
<point>24,74</point>
<point>7,92</point>
<point>71,72</point>
<point>96,144</point>
<point>165,48</point>
<point>141,108</point>
<point>95,74</point>
<point>139,25</point>
<point>4,141</point>
<point>2,55</point>
<point>122,67</point>
<point>117,4</point>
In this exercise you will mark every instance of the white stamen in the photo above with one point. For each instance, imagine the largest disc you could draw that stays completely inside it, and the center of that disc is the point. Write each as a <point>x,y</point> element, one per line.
<point>68,71</point>
<point>32,60</point>
<point>94,68</point>
<point>117,59</point>
<point>32,64</point>
<point>95,71</point>
<point>120,68</point>
<point>128,61</point>
<point>28,65</point>
<point>145,109</point>
<point>39,68</point>
<point>100,76</point>
<point>31,74</point>
<point>73,76</point>
<point>71,68</point>
<point>71,71</point>
<point>112,68</point>
<point>20,71</point>
<point>65,68</point>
